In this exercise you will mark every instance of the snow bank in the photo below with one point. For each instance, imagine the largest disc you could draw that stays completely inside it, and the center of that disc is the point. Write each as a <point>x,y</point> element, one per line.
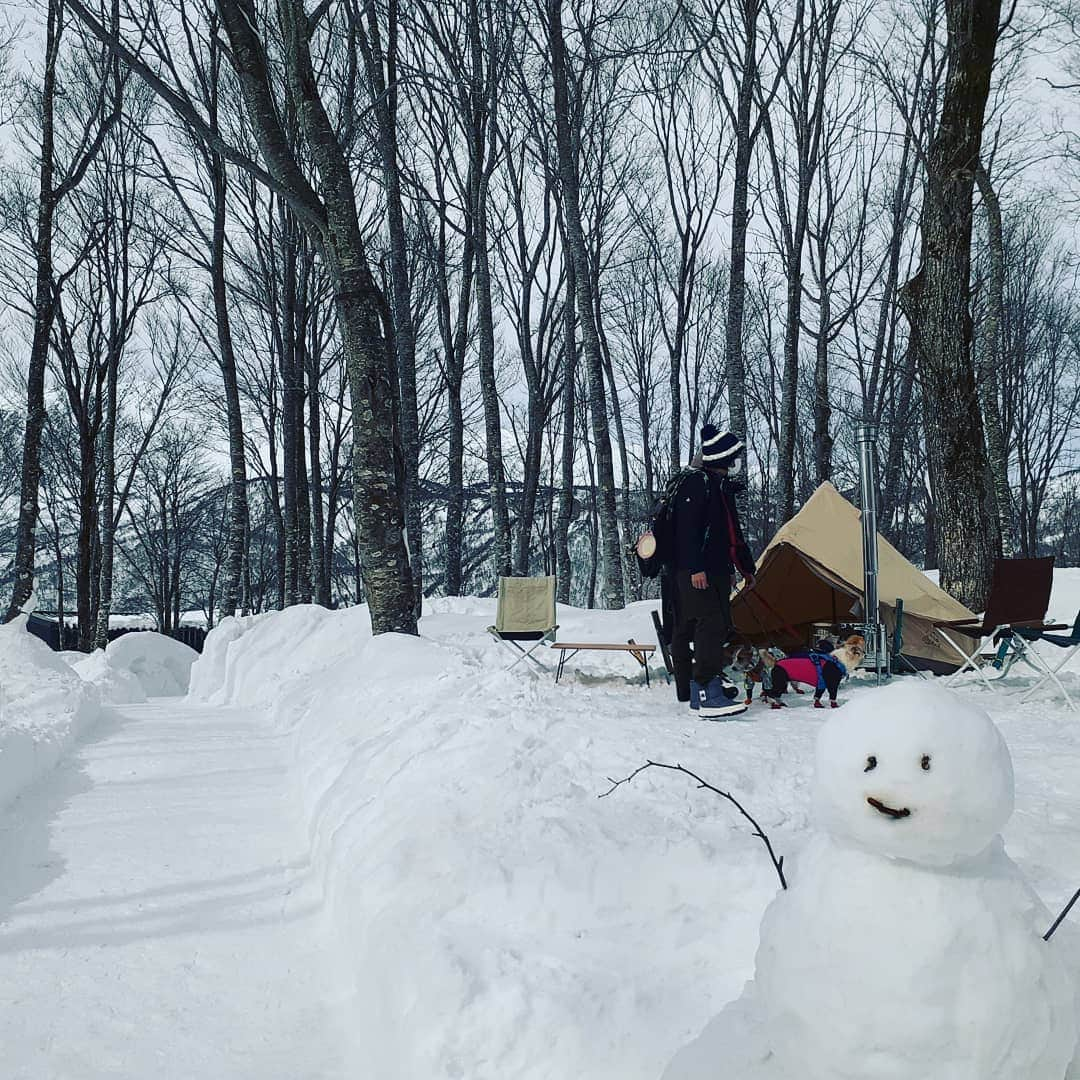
<point>492,916</point>
<point>44,706</point>
<point>160,664</point>
<point>116,685</point>
<point>250,660</point>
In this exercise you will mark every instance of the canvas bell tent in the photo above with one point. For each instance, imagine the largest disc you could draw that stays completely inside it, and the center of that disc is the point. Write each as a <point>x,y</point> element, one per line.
<point>811,574</point>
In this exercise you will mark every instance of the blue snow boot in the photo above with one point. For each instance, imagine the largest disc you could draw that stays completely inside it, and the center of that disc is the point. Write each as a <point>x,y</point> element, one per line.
<point>718,702</point>
<point>697,692</point>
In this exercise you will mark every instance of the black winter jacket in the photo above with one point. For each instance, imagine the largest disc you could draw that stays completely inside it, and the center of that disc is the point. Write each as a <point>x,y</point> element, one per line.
<point>708,536</point>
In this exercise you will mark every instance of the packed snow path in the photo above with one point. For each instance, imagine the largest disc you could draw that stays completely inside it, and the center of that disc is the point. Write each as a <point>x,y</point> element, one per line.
<point>154,914</point>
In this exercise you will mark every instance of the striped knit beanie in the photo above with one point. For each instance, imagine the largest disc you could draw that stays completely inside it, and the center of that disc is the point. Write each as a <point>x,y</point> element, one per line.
<point>719,449</point>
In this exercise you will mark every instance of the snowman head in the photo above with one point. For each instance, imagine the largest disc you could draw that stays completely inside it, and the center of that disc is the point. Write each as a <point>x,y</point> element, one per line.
<point>913,772</point>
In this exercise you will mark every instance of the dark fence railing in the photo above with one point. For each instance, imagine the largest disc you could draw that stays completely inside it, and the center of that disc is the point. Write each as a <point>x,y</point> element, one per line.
<point>66,638</point>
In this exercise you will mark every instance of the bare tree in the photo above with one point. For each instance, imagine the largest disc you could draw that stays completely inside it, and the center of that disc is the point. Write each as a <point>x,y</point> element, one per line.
<point>330,216</point>
<point>568,142</point>
<point>56,181</point>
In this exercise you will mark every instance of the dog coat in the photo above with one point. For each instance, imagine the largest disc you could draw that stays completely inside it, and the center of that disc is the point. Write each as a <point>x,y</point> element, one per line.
<point>809,668</point>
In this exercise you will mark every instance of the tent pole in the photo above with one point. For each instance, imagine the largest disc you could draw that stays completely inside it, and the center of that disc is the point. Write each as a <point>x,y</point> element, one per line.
<point>866,438</point>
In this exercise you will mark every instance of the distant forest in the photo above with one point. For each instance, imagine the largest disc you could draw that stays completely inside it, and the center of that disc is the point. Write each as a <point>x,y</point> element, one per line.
<point>377,299</point>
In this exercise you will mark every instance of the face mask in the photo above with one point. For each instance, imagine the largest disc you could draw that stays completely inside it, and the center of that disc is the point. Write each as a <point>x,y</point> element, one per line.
<point>735,467</point>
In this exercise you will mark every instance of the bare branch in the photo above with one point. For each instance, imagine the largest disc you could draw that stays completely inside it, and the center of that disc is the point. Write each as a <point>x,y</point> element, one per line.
<point>778,862</point>
<point>1065,911</point>
<point>317,16</point>
<point>306,206</point>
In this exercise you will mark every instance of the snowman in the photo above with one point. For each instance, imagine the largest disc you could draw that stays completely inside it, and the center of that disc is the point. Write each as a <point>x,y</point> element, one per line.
<point>908,945</point>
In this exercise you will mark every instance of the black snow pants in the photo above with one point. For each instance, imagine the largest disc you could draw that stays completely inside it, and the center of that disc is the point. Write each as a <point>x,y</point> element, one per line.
<point>701,630</point>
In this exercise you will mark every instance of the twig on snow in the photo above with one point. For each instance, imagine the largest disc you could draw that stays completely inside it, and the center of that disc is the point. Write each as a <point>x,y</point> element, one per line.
<point>1065,911</point>
<point>777,861</point>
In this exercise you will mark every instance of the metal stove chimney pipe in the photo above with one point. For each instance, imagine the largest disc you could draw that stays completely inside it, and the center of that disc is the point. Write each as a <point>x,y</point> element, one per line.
<point>866,439</point>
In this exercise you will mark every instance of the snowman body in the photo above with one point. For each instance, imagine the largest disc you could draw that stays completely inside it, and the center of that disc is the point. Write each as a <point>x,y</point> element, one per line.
<point>874,969</point>
<point>908,945</point>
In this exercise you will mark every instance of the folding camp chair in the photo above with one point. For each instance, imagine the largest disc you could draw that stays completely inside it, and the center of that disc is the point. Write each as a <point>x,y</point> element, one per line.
<point>1019,597</point>
<point>526,613</point>
<point>1070,642</point>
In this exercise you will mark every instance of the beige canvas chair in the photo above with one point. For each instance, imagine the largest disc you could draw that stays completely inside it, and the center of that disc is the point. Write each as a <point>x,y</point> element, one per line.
<point>526,614</point>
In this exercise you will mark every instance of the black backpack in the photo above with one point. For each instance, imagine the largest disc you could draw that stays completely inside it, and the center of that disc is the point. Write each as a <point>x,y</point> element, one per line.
<point>662,528</point>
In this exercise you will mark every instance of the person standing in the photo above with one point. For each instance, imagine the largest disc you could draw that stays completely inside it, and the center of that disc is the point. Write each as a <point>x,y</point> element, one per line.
<point>709,549</point>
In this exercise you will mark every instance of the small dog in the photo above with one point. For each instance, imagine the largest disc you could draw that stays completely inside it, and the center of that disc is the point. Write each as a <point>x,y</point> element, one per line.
<point>747,662</point>
<point>815,668</point>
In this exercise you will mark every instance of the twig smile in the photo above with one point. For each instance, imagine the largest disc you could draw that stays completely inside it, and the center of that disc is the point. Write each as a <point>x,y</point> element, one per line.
<point>891,811</point>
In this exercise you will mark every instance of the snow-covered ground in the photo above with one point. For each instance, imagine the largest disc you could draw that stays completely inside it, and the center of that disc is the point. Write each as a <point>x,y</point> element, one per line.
<point>387,857</point>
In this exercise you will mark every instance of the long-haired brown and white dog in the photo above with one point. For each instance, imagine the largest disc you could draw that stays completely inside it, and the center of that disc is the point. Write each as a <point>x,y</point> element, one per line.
<point>813,668</point>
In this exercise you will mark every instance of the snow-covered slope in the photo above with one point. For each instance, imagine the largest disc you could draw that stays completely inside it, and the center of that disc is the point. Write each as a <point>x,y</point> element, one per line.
<point>44,707</point>
<point>490,915</point>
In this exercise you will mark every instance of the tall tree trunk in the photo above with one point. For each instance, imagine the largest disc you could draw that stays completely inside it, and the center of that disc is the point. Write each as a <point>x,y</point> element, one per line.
<point>893,472</point>
<point>490,394</point>
<point>823,440</point>
<point>989,371</point>
<point>530,480</point>
<point>382,79</point>
<point>88,525</point>
<point>563,566</point>
<point>303,489</point>
<point>937,304</point>
<point>288,315</point>
<point>734,360</point>
<point>236,545</point>
<point>785,471</point>
<point>594,524</point>
<point>108,522</point>
<point>632,582</point>
<point>613,595</point>
<point>483,143</point>
<point>44,309</point>
<point>319,569</point>
<point>455,340</point>
<point>334,223</point>
<point>455,496</point>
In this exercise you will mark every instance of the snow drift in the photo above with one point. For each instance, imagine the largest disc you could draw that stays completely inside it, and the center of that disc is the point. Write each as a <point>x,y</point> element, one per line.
<point>116,685</point>
<point>44,707</point>
<point>491,915</point>
<point>160,664</point>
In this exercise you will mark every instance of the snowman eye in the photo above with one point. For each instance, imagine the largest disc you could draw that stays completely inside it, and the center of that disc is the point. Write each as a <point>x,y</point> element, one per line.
<point>925,762</point>
<point>871,763</point>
